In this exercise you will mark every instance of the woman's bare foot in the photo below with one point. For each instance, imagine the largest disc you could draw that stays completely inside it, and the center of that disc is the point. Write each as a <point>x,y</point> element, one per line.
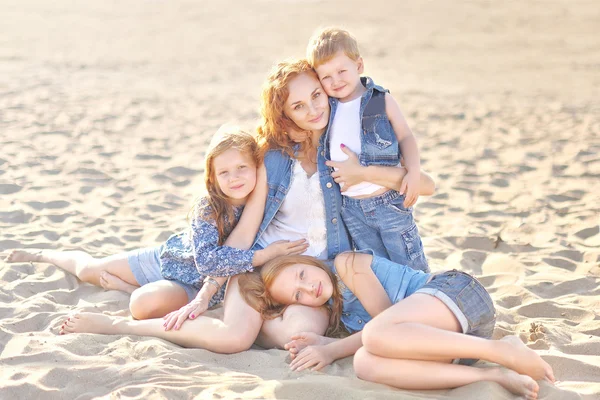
<point>16,256</point>
<point>91,323</point>
<point>526,361</point>
<point>110,282</point>
<point>521,385</point>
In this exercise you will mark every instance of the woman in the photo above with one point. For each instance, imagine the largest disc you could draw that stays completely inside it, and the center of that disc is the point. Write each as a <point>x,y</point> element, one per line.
<point>427,331</point>
<point>295,114</point>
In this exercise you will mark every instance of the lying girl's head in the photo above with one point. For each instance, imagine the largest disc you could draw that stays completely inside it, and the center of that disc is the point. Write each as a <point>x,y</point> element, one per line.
<point>291,280</point>
<point>293,103</point>
<point>230,173</point>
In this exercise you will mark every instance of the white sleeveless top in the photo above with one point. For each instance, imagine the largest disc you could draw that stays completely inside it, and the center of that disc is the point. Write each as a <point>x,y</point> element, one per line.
<point>301,215</point>
<point>346,128</point>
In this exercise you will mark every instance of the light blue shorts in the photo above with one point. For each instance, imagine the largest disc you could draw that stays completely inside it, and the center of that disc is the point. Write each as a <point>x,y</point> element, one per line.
<point>145,266</point>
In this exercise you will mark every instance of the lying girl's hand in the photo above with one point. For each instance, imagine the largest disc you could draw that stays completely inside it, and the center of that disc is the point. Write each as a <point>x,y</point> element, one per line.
<point>191,310</point>
<point>302,340</point>
<point>312,356</point>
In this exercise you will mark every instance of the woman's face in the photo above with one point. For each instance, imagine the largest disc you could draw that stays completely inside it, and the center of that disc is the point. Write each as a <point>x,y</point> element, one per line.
<point>307,105</point>
<point>302,284</point>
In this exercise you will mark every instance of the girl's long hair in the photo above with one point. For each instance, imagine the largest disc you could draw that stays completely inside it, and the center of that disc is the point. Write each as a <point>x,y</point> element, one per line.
<point>254,288</point>
<point>274,124</point>
<point>216,205</point>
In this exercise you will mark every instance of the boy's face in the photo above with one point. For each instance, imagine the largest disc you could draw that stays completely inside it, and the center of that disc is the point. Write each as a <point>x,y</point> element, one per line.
<point>340,77</point>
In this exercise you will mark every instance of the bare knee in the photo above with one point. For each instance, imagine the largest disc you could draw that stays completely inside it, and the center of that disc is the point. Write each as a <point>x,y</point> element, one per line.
<point>145,305</point>
<point>88,272</point>
<point>299,318</point>
<point>371,336</point>
<point>364,364</point>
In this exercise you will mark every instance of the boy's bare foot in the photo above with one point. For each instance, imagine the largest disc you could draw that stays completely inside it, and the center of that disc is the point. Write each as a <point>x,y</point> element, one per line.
<point>24,256</point>
<point>526,361</point>
<point>110,282</point>
<point>521,385</point>
<point>90,323</point>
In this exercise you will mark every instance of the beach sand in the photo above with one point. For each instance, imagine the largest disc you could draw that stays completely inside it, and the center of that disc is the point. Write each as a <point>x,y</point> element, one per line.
<point>106,109</point>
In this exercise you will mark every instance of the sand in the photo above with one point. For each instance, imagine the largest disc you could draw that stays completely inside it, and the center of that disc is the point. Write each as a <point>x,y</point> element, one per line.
<point>105,111</point>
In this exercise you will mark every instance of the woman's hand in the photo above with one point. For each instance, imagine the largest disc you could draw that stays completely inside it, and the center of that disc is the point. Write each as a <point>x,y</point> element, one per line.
<point>312,356</point>
<point>302,340</point>
<point>191,310</point>
<point>410,188</point>
<point>348,172</point>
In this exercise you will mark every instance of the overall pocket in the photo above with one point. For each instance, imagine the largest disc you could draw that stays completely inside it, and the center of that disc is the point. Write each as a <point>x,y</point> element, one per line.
<point>377,130</point>
<point>412,241</point>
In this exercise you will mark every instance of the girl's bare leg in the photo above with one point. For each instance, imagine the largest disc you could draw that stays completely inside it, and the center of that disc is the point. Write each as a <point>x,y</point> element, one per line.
<point>275,333</point>
<point>423,375</point>
<point>421,327</point>
<point>82,265</point>
<point>157,299</point>
<point>236,332</point>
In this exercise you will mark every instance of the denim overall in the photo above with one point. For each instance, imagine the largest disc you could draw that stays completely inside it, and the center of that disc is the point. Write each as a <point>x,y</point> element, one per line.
<point>380,223</point>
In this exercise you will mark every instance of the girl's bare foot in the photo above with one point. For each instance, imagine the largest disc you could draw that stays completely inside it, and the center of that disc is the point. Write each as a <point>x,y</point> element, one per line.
<point>521,385</point>
<point>110,282</point>
<point>24,256</point>
<point>91,323</point>
<point>526,361</point>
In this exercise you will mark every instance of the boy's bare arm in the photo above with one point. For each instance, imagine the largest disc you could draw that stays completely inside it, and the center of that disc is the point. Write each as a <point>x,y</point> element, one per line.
<point>409,149</point>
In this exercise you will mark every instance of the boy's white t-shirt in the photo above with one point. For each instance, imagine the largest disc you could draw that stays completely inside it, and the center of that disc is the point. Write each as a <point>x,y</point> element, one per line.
<point>346,128</point>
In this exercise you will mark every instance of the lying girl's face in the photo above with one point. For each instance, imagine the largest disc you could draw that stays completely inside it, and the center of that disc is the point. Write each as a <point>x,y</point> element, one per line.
<point>307,104</point>
<point>235,172</point>
<point>302,284</point>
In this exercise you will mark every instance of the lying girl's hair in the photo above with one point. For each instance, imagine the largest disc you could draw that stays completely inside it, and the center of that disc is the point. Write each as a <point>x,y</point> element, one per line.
<point>215,205</point>
<point>274,123</point>
<point>254,288</point>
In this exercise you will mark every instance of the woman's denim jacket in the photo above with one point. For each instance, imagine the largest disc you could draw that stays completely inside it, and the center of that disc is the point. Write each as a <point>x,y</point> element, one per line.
<point>379,145</point>
<point>279,173</point>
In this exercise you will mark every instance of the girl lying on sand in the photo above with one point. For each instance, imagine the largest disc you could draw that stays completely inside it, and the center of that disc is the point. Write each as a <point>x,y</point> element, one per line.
<point>427,330</point>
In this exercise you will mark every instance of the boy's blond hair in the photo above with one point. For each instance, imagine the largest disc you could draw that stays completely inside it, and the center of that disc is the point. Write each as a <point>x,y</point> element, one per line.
<point>325,43</point>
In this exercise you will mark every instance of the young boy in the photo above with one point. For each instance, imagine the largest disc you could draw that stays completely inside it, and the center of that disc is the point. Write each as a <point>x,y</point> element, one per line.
<point>367,120</point>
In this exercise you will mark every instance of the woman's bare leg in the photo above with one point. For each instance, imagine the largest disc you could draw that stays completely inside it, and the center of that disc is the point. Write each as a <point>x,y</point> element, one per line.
<point>421,327</point>
<point>157,299</point>
<point>82,265</point>
<point>275,333</point>
<point>236,332</point>
<point>424,375</point>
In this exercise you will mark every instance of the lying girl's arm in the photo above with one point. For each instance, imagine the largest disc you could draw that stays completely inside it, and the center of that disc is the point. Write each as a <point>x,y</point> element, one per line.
<point>320,356</point>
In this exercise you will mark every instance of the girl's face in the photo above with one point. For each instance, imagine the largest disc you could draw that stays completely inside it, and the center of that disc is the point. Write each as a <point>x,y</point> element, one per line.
<point>307,104</point>
<point>302,284</point>
<point>235,172</point>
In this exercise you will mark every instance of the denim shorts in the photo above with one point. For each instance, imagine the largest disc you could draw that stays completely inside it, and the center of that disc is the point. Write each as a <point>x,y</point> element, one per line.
<point>468,300</point>
<point>383,225</point>
<point>145,266</point>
